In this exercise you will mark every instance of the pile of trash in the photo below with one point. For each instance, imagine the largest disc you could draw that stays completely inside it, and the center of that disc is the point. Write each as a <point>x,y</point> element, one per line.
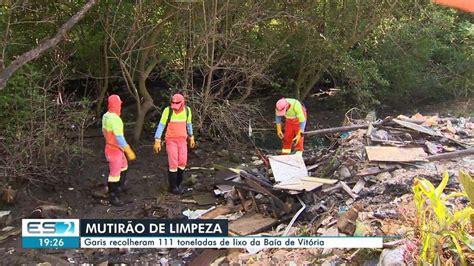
<point>359,185</point>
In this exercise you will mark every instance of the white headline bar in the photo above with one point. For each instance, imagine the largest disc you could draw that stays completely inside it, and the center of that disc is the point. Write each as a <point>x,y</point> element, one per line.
<point>231,242</point>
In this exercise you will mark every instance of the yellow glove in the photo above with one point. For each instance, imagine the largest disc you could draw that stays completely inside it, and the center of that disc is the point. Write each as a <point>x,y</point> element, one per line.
<point>279,132</point>
<point>157,146</point>
<point>129,152</point>
<point>298,136</point>
<point>192,142</point>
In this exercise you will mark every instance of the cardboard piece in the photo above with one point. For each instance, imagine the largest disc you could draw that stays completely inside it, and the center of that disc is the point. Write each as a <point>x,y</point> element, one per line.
<point>395,154</point>
<point>286,167</point>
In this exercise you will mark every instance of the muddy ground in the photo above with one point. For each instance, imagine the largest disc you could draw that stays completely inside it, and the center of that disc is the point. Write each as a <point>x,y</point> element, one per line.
<point>147,196</point>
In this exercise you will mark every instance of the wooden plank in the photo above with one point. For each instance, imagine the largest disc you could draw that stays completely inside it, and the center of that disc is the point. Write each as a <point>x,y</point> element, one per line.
<point>297,184</point>
<point>375,170</point>
<point>319,180</point>
<point>450,155</point>
<point>251,223</point>
<point>348,190</point>
<point>395,154</point>
<point>358,186</point>
<point>417,128</point>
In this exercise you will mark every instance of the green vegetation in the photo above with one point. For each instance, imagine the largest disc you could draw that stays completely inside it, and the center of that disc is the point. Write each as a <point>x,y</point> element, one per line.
<point>222,54</point>
<point>441,228</point>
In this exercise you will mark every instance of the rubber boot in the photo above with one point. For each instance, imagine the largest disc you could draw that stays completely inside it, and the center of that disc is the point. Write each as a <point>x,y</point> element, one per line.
<point>172,179</point>
<point>179,179</point>
<point>122,183</point>
<point>114,200</point>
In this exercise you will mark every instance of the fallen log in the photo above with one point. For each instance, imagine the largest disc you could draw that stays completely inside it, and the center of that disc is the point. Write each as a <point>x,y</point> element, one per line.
<point>450,155</point>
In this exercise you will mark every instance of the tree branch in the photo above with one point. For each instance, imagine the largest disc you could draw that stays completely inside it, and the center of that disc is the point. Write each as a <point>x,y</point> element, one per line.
<point>45,45</point>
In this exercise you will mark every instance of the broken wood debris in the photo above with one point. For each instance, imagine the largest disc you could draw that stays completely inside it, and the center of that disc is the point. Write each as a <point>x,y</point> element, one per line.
<point>320,180</point>
<point>357,164</point>
<point>299,184</point>
<point>348,190</point>
<point>418,128</point>
<point>10,233</point>
<point>376,170</point>
<point>358,186</point>
<point>251,223</point>
<point>450,155</point>
<point>394,154</point>
<point>329,189</point>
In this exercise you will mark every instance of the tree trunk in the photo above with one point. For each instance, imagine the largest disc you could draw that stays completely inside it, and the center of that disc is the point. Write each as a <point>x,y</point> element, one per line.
<point>148,101</point>
<point>140,120</point>
<point>310,84</point>
<point>44,45</point>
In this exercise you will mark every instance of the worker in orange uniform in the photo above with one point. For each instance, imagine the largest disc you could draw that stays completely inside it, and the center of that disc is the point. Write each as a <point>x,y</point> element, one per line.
<point>465,5</point>
<point>295,123</point>
<point>177,119</point>
<point>115,147</point>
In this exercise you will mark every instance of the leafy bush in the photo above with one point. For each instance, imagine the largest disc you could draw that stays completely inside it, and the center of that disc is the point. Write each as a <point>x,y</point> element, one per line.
<point>40,127</point>
<point>424,58</point>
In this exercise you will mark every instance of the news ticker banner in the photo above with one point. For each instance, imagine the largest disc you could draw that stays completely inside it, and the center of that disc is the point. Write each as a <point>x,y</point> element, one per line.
<point>162,233</point>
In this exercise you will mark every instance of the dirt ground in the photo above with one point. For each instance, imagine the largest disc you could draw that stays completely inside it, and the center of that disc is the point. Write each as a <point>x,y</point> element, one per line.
<point>146,196</point>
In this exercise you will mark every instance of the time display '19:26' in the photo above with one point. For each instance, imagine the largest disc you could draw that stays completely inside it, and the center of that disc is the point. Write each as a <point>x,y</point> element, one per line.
<point>51,242</point>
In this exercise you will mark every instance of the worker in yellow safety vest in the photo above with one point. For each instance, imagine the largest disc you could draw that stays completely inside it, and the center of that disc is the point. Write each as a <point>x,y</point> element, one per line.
<point>177,121</point>
<point>295,116</point>
<point>115,149</point>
